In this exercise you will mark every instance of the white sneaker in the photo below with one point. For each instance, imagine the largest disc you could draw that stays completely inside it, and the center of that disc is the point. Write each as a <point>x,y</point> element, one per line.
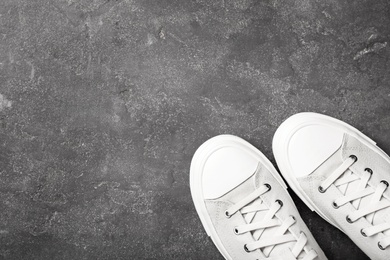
<point>244,206</point>
<point>341,174</point>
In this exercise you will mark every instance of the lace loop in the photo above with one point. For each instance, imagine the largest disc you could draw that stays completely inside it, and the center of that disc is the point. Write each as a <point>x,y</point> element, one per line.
<point>270,241</point>
<point>251,197</point>
<point>302,240</point>
<point>368,210</point>
<point>370,231</point>
<point>356,195</point>
<point>257,225</point>
<point>385,242</point>
<point>337,173</point>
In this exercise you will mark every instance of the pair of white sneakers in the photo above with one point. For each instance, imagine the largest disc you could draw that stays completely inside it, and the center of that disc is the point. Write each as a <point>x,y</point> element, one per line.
<point>335,169</point>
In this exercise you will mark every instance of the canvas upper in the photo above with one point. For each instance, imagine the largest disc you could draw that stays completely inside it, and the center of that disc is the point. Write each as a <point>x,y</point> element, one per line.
<point>348,188</point>
<point>230,218</point>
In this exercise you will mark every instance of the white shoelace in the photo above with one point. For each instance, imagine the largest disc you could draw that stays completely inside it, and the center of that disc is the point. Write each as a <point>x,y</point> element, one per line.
<point>377,202</point>
<point>249,209</point>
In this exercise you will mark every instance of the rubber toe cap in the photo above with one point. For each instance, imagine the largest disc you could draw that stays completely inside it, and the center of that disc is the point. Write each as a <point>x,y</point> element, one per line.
<point>310,145</point>
<point>225,169</point>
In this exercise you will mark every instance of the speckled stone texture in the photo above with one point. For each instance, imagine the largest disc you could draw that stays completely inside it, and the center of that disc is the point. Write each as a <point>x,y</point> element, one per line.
<point>103,103</point>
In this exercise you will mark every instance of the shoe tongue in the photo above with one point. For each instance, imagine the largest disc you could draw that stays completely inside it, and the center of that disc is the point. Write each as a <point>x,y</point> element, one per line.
<point>379,216</point>
<point>277,250</point>
<point>240,192</point>
<point>270,232</point>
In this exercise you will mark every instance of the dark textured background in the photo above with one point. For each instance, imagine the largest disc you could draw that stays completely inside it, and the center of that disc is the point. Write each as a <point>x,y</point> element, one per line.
<point>103,103</point>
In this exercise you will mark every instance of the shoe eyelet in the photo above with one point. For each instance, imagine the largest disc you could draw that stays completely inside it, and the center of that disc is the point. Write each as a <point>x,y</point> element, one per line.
<point>385,183</point>
<point>380,246</point>
<point>369,170</point>
<point>354,157</point>
<point>227,214</point>
<point>279,202</point>
<point>363,233</point>
<point>268,186</point>
<point>293,217</point>
<point>235,230</point>
<point>246,249</point>
<point>349,220</point>
<point>320,189</point>
<point>335,205</point>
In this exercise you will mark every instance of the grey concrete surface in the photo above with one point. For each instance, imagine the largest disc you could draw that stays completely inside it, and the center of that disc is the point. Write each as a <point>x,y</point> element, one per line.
<point>103,103</point>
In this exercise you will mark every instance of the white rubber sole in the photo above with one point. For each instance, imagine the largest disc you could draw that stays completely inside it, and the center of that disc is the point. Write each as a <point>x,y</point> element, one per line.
<point>196,171</point>
<point>282,138</point>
